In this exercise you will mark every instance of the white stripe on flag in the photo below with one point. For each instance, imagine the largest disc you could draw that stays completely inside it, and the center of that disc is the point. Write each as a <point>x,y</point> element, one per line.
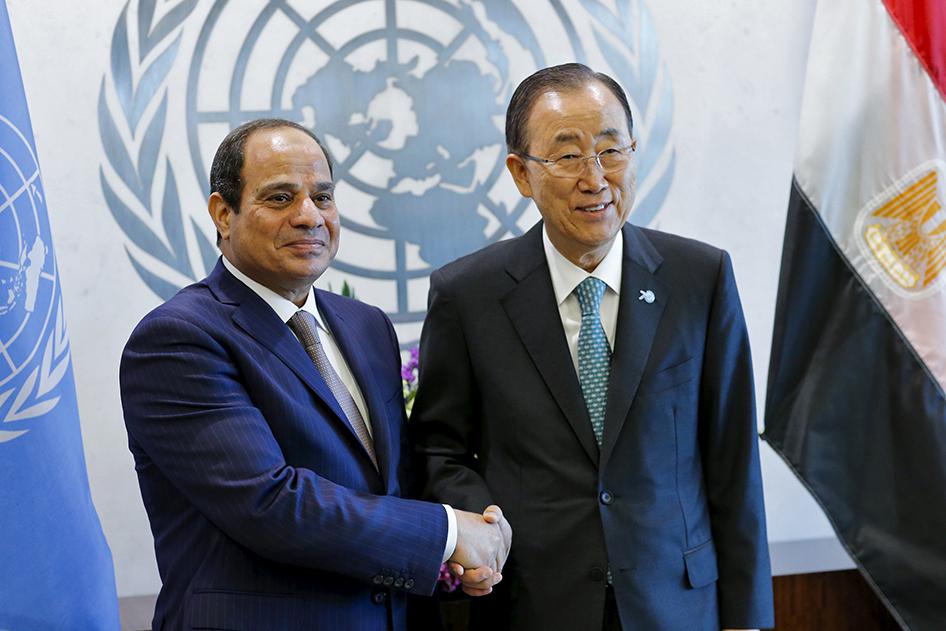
<point>873,124</point>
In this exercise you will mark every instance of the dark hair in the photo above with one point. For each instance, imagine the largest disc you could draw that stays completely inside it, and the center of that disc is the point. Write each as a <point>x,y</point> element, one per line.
<point>225,171</point>
<point>563,78</point>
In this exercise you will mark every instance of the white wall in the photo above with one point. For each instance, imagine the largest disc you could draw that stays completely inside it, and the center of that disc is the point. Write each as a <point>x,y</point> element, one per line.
<point>736,68</point>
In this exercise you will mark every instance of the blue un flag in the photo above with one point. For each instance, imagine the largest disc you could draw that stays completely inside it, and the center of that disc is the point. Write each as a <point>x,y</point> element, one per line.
<point>55,567</point>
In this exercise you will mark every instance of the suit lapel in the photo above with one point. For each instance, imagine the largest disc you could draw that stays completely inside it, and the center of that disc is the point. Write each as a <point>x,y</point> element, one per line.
<point>361,370</point>
<point>534,313</point>
<point>258,320</point>
<point>637,323</point>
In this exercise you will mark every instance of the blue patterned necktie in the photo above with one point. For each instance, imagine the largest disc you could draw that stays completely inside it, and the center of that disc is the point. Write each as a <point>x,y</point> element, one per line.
<point>594,354</point>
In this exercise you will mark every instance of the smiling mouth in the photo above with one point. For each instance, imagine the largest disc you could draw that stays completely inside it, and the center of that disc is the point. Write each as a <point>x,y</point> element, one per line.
<point>596,208</point>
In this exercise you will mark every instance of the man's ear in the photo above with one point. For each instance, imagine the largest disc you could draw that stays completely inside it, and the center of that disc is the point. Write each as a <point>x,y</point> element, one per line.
<point>221,213</point>
<point>520,174</point>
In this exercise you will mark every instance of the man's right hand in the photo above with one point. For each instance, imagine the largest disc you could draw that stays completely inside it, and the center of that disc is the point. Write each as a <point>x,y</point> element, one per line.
<point>483,544</point>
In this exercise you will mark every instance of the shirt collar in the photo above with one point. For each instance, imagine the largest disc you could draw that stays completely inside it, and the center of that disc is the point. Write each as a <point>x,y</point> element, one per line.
<point>566,276</point>
<point>283,307</point>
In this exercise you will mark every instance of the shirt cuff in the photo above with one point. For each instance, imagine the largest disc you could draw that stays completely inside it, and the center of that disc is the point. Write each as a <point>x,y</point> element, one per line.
<point>451,533</point>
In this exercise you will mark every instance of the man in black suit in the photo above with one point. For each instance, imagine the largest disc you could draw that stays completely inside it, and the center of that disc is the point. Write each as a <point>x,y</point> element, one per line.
<point>594,379</point>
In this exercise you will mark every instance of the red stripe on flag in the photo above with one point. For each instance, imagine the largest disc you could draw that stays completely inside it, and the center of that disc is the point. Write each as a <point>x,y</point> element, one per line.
<point>923,23</point>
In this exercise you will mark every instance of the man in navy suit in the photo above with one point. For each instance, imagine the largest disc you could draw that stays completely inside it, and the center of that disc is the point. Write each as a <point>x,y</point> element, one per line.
<point>266,420</point>
<point>594,379</point>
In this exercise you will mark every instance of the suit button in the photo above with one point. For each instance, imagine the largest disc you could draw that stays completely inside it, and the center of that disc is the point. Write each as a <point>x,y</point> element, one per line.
<point>399,582</point>
<point>378,579</point>
<point>606,497</point>
<point>409,584</point>
<point>596,574</point>
<point>388,581</point>
<point>379,598</point>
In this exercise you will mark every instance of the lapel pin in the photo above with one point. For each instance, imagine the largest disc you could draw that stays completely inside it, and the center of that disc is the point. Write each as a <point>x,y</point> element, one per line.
<point>646,296</point>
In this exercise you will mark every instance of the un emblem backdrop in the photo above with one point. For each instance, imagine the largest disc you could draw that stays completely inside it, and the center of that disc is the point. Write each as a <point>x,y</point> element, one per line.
<point>409,96</point>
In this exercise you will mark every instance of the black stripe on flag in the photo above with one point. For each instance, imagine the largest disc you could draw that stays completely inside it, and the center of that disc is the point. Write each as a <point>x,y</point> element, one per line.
<point>860,420</point>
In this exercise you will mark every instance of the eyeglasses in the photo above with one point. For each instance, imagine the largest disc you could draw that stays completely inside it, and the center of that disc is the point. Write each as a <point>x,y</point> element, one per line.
<point>610,160</point>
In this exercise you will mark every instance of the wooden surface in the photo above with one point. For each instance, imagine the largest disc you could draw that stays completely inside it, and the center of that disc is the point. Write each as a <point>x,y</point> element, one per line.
<point>835,601</point>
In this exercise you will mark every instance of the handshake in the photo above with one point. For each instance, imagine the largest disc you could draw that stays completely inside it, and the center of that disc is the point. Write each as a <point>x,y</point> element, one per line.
<point>483,543</point>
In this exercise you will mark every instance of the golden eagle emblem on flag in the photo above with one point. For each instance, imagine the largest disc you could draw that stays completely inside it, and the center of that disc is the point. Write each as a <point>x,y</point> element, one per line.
<point>904,231</point>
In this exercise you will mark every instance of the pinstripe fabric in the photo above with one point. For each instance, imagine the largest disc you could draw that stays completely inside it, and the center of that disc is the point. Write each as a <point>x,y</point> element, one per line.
<point>266,510</point>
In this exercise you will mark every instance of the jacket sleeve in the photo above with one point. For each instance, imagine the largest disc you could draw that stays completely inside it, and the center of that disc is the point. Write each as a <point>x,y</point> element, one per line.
<point>730,455</point>
<point>187,409</point>
<point>445,421</point>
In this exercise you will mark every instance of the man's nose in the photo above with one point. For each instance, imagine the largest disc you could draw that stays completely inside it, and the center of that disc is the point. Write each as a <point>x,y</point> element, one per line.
<point>308,214</point>
<point>592,178</point>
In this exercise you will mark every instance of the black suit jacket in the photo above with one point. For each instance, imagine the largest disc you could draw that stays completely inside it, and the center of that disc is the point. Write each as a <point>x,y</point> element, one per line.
<point>266,510</point>
<point>671,503</point>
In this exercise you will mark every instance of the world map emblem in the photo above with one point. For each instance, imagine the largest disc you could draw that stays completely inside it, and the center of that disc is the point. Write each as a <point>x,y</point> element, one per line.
<point>409,97</point>
<point>34,350</point>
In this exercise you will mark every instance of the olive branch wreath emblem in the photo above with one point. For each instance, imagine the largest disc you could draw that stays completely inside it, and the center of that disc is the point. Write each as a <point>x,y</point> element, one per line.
<point>157,230</point>
<point>28,401</point>
<point>132,138</point>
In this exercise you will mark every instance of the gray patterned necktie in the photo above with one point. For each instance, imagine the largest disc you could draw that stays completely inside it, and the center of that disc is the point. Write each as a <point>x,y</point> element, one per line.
<point>304,326</point>
<point>594,353</point>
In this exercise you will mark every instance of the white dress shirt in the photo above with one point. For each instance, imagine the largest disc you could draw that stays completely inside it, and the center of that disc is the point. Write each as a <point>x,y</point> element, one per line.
<point>285,309</point>
<point>566,276</point>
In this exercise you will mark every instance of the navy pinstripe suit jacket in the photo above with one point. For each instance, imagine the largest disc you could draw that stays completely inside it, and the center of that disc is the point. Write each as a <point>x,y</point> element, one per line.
<point>266,511</point>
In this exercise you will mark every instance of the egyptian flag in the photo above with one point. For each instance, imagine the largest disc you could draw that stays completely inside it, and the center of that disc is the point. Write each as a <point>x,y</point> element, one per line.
<point>856,402</point>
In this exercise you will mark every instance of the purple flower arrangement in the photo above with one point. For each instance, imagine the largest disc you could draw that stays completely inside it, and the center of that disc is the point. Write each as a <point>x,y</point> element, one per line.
<point>447,580</point>
<point>409,378</point>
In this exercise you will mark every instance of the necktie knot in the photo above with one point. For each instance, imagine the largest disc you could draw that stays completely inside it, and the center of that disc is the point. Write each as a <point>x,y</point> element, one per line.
<point>590,292</point>
<point>304,326</point>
